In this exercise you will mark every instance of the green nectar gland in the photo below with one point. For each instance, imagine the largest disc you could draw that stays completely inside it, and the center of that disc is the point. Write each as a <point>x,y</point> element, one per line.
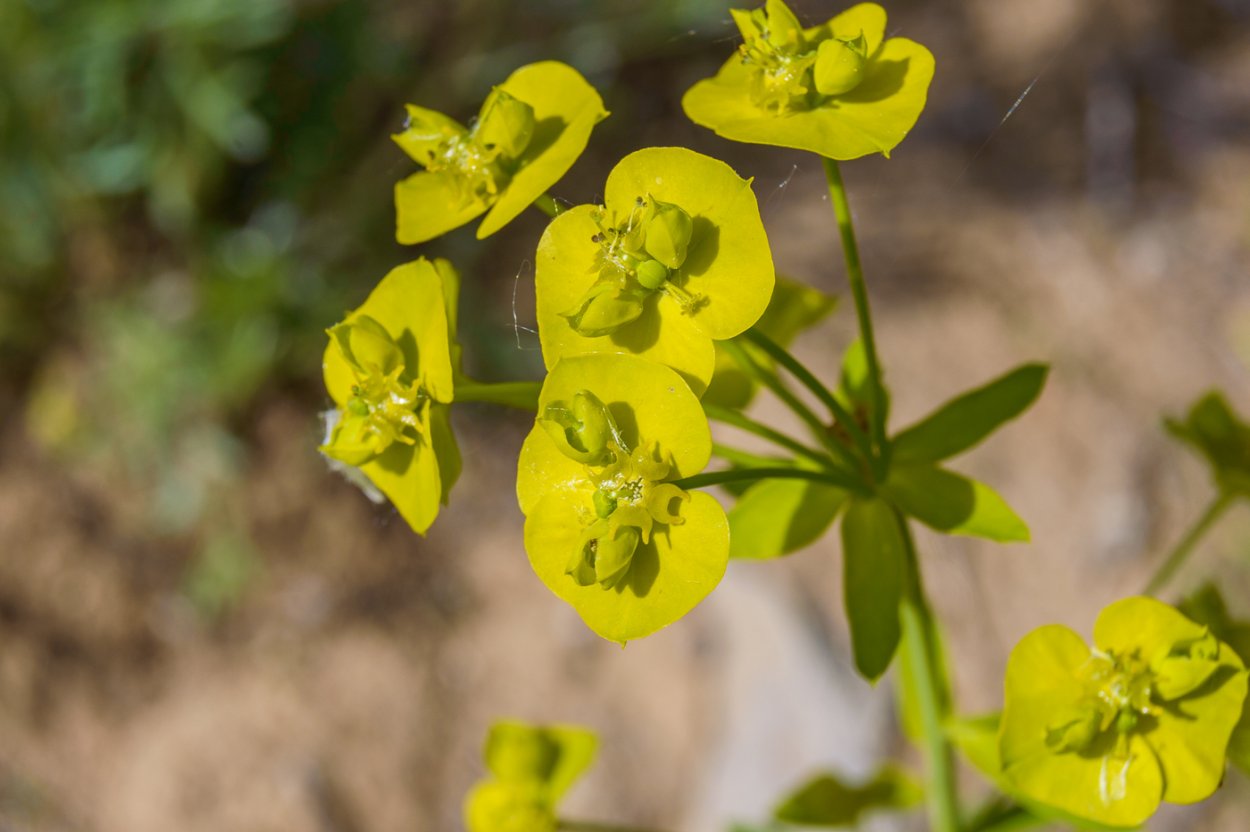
<point>638,256</point>
<point>386,406</point>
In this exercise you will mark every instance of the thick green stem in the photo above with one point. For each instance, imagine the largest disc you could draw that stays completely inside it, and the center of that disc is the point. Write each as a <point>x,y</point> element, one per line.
<point>548,205</point>
<point>923,658</point>
<point>751,474</point>
<point>743,422</point>
<point>522,395</point>
<point>769,379</point>
<point>1187,543</point>
<point>859,291</point>
<point>796,368</point>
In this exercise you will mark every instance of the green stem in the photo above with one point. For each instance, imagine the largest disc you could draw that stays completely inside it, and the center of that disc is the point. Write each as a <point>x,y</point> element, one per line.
<point>859,291</point>
<point>589,826</point>
<point>1187,543</point>
<point>745,459</point>
<point>548,205</point>
<point>922,656</point>
<point>749,474</point>
<point>522,395</point>
<point>743,422</point>
<point>778,389</point>
<point>796,368</point>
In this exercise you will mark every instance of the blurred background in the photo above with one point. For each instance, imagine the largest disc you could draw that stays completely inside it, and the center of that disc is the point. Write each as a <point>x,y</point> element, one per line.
<point>202,628</point>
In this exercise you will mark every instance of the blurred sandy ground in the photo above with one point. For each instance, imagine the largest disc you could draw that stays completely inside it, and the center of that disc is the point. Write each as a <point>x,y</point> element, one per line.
<point>1103,227</point>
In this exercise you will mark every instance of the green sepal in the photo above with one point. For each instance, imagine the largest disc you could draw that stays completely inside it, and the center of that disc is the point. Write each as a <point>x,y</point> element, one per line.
<point>950,503</point>
<point>779,516</point>
<point>871,118</point>
<point>794,307</point>
<point>874,577</point>
<point>1215,431</point>
<point>969,419</point>
<point>827,801</point>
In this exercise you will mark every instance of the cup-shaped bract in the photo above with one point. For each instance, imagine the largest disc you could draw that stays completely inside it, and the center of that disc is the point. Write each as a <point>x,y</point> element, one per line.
<point>616,538</point>
<point>840,89</point>
<point>1107,733</point>
<point>389,369</point>
<point>531,767</point>
<point>674,259</point>
<point>529,132</point>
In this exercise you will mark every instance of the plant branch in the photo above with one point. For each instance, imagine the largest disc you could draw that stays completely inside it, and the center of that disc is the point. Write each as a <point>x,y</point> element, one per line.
<point>790,400</point>
<point>859,291</point>
<point>805,377</point>
<point>1181,552</point>
<point>743,422</point>
<point>707,478</point>
<point>746,459</point>
<point>922,656</point>
<point>522,395</point>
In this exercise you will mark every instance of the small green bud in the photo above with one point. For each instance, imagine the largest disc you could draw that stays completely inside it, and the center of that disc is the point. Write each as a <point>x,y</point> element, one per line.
<point>1075,731</point>
<point>668,234</point>
<point>505,124</point>
<point>1125,722</point>
<point>357,406</point>
<point>605,308</point>
<point>583,429</point>
<point>367,346</point>
<point>604,504</point>
<point>651,274</point>
<point>840,65</point>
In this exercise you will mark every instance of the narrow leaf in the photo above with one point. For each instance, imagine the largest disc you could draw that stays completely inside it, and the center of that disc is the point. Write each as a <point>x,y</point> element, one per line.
<point>953,504</point>
<point>967,420</point>
<point>873,570</point>
<point>777,517</point>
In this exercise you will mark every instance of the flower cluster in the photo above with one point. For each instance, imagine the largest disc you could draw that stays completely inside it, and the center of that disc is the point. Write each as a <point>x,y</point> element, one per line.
<point>675,258</point>
<point>840,89</point>
<point>607,527</point>
<point>1105,734</point>
<point>531,768</point>
<point>389,370</point>
<point>529,132</point>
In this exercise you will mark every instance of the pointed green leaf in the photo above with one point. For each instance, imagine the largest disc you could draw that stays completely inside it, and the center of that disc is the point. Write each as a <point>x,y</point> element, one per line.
<point>950,503</point>
<point>969,419</point>
<point>1214,429</point>
<point>874,569</point>
<point>777,517</point>
<point>827,801</point>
